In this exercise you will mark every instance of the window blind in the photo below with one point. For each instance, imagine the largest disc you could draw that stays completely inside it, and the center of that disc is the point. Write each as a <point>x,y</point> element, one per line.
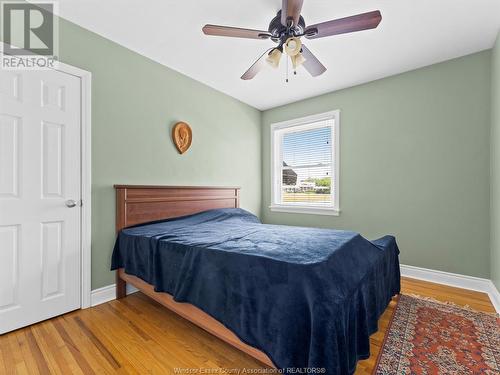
<point>307,165</point>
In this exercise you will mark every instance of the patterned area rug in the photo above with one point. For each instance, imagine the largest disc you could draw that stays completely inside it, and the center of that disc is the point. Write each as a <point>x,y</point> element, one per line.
<point>430,337</point>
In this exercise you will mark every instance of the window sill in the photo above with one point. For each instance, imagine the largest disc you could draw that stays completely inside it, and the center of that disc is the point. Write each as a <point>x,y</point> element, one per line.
<point>305,210</point>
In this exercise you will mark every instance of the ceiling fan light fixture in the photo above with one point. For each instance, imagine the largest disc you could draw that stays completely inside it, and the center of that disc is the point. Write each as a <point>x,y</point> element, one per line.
<point>274,57</point>
<point>297,60</point>
<point>293,46</point>
<point>286,29</point>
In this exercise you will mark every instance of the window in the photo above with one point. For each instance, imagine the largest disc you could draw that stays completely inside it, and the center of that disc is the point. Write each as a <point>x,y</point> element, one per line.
<point>305,164</point>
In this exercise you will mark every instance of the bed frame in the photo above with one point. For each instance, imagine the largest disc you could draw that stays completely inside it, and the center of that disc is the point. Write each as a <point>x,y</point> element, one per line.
<point>140,204</point>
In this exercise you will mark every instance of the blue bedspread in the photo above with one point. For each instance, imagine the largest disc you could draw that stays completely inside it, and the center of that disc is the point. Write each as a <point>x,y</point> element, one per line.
<point>307,297</point>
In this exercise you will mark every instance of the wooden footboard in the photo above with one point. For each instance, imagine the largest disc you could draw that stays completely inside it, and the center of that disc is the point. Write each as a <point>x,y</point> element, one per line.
<point>140,204</point>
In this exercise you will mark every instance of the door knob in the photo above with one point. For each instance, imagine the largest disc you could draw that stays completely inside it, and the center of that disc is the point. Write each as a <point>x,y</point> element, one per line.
<point>70,203</point>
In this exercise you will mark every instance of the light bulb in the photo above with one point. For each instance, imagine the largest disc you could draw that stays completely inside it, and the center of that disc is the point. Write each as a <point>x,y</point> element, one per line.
<point>293,46</point>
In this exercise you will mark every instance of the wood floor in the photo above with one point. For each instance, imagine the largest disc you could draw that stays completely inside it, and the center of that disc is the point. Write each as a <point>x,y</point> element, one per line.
<point>138,336</point>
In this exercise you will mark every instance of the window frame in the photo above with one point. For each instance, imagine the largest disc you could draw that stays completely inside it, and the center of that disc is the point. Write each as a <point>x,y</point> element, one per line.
<point>276,161</point>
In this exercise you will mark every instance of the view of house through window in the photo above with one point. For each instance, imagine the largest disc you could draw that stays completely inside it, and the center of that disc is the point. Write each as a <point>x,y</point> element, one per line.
<point>304,163</point>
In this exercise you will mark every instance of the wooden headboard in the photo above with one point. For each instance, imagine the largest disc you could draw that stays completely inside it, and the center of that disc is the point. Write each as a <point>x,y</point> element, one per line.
<point>140,204</point>
<point>136,204</point>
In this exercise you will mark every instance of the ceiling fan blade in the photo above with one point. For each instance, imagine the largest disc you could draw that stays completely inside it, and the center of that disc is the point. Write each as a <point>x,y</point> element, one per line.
<point>235,32</point>
<point>312,64</point>
<point>351,24</point>
<point>257,66</point>
<point>291,9</point>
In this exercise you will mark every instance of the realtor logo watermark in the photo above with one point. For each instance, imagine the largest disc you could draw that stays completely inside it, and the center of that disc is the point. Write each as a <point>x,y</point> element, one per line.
<point>30,35</point>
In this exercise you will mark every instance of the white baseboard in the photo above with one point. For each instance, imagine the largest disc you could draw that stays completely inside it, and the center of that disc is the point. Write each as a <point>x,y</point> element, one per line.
<point>494,294</point>
<point>107,293</point>
<point>453,279</point>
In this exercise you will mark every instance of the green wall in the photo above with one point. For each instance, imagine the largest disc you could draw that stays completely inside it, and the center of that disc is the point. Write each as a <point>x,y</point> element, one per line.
<point>135,101</point>
<point>495,164</point>
<point>414,163</point>
<point>415,151</point>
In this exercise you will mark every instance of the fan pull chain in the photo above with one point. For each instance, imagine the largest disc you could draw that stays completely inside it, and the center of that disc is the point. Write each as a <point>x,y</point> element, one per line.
<point>286,69</point>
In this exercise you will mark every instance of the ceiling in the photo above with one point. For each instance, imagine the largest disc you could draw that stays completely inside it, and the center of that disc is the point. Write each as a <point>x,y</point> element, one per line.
<point>412,34</point>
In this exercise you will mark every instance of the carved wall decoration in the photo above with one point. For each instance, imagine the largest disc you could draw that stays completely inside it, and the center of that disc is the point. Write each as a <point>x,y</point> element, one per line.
<point>182,136</point>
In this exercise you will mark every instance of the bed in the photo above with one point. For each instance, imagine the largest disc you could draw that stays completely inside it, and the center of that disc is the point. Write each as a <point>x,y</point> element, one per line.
<point>291,297</point>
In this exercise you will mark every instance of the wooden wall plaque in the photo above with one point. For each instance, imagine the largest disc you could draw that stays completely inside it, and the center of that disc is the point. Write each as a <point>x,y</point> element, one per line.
<point>182,136</point>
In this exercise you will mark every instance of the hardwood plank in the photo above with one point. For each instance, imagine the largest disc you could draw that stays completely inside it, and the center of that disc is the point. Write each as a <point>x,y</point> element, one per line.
<point>131,323</point>
<point>16,354</point>
<point>104,351</point>
<point>112,350</point>
<point>23,347</point>
<point>88,350</point>
<point>476,300</point>
<point>136,335</point>
<point>129,344</point>
<point>170,322</point>
<point>41,364</point>
<point>165,336</point>
<point>72,348</point>
<point>50,349</point>
<point>7,363</point>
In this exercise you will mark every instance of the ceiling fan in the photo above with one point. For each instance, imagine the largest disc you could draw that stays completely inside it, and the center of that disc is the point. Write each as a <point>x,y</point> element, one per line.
<point>287,28</point>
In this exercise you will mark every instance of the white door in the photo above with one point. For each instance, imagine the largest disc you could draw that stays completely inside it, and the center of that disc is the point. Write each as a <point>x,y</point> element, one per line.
<point>39,178</point>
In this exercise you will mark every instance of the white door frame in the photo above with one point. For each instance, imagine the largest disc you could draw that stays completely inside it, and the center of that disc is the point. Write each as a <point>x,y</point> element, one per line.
<point>86,183</point>
<point>86,175</point>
